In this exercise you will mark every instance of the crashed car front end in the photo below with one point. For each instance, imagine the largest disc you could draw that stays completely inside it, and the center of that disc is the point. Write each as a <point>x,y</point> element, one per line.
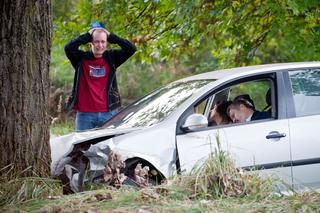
<point>68,159</point>
<point>82,160</point>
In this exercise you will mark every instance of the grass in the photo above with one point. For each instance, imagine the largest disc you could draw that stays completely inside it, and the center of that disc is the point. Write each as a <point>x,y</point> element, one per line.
<point>172,199</point>
<point>216,186</point>
<point>62,128</point>
<point>17,189</point>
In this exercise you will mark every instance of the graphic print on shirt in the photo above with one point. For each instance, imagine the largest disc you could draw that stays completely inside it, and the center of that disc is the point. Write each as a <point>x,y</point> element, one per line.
<point>97,72</point>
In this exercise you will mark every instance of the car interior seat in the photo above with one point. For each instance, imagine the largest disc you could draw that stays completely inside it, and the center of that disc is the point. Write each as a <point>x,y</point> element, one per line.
<point>268,101</point>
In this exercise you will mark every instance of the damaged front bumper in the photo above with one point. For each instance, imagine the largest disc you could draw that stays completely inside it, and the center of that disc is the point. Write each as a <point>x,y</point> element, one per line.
<point>72,153</point>
<point>83,157</point>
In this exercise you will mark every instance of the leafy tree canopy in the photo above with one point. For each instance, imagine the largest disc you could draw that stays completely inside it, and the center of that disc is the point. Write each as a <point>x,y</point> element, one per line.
<point>229,33</point>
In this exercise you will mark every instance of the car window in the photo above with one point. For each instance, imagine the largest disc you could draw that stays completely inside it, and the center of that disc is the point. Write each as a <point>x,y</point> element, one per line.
<point>306,91</point>
<point>201,107</point>
<point>260,91</point>
<point>257,90</point>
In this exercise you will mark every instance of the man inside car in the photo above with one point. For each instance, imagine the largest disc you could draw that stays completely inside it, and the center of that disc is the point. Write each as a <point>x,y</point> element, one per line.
<point>243,110</point>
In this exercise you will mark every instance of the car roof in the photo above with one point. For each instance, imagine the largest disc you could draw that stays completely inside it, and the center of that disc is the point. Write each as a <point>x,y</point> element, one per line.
<point>241,71</point>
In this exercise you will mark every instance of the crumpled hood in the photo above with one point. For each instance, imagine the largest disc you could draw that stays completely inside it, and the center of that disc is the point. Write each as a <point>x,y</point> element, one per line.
<point>63,145</point>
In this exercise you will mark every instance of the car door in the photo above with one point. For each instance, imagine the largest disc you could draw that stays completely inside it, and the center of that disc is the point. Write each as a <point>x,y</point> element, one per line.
<point>305,127</point>
<point>256,144</point>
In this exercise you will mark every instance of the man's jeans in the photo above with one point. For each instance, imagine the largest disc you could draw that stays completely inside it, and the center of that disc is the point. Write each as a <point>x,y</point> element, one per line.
<point>90,120</point>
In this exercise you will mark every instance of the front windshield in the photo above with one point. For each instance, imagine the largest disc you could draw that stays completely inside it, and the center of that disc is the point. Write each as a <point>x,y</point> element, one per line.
<point>156,106</point>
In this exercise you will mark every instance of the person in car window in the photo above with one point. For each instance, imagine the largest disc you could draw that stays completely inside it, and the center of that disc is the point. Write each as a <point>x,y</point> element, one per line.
<point>95,94</point>
<point>218,115</point>
<point>243,110</point>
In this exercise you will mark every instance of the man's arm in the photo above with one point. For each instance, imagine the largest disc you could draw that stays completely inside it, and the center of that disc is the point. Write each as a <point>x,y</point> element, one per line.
<point>121,55</point>
<point>72,48</point>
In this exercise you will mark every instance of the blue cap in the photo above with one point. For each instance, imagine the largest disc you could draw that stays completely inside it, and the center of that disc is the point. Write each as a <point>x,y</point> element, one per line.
<point>97,25</point>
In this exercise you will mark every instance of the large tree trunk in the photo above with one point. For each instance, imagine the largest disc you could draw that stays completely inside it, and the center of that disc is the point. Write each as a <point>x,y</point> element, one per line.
<point>25,42</point>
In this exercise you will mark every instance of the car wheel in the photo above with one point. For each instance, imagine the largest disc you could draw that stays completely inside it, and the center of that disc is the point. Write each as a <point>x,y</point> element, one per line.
<point>155,177</point>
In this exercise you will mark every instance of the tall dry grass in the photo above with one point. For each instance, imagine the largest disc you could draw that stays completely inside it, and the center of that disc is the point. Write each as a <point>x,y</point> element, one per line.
<point>15,189</point>
<point>218,177</point>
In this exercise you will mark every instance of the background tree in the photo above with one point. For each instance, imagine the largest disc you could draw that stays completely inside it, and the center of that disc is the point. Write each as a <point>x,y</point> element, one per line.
<point>194,36</point>
<point>238,32</point>
<point>26,34</point>
<point>186,37</point>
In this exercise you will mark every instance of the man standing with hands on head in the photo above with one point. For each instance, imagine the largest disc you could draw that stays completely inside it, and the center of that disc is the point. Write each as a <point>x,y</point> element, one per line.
<point>95,94</point>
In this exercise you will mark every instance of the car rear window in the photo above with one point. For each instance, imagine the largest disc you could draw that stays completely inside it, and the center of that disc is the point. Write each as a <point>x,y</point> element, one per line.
<point>306,91</point>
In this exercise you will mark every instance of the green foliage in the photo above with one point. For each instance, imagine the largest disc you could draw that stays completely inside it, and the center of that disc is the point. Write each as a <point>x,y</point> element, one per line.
<point>17,189</point>
<point>136,79</point>
<point>167,199</point>
<point>62,128</point>
<point>189,37</point>
<point>235,32</point>
<point>61,72</point>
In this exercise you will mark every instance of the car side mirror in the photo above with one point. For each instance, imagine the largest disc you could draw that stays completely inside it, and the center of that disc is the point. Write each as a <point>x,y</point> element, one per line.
<point>194,122</point>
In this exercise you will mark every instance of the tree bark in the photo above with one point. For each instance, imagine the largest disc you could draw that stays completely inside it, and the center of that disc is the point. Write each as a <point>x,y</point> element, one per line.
<point>25,43</point>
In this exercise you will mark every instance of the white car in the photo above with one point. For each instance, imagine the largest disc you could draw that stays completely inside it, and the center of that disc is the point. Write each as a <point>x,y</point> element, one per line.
<point>168,129</point>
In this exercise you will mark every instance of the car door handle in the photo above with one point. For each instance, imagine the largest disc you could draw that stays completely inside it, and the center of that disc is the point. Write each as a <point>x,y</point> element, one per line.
<point>275,134</point>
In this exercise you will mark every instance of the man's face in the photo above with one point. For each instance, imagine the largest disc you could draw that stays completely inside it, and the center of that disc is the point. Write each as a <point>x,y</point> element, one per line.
<point>99,43</point>
<point>238,115</point>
